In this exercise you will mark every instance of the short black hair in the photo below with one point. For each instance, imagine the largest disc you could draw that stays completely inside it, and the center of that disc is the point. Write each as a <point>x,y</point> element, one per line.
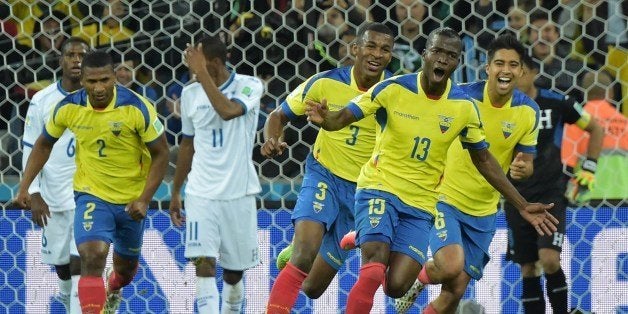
<point>375,27</point>
<point>442,31</point>
<point>97,59</point>
<point>530,63</point>
<point>213,47</point>
<point>539,15</point>
<point>506,41</point>
<point>74,40</point>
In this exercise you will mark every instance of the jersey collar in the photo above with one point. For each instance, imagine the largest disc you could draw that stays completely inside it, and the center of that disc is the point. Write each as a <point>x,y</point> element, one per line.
<point>227,82</point>
<point>420,88</point>
<point>487,99</point>
<point>61,90</point>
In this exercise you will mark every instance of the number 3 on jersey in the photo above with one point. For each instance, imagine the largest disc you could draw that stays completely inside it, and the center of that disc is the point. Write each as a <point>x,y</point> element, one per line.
<point>354,136</point>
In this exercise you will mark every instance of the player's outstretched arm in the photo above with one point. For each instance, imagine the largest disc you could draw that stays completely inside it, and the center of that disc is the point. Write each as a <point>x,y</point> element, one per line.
<point>37,159</point>
<point>159,155</point>
<point>184,164</point>
<point>535,213</point>
<point>274,144</point>
<point>522,166</point>
<point>329,120</point>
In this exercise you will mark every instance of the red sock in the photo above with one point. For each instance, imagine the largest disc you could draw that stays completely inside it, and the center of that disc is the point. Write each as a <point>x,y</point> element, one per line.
<point>285,291</point>
<point>360,298</point>
<point>429,309</point>
<point>91,291</point>
<point>117,281</point>
<point>423,278</point>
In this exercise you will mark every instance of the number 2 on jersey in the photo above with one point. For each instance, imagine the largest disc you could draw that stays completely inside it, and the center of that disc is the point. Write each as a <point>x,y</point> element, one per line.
<point>101,149</point>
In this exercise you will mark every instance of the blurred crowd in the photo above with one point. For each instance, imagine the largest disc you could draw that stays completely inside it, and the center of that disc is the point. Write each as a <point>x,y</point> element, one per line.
<point>283,42</point>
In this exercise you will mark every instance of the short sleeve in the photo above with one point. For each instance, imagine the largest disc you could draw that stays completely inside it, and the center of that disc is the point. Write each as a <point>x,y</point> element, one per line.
<point>295,101</point>
<point>57,123</point>
<point>528,142</point>
<point>369,102</point>
<point>187,126</point>
<point>155,128</point>
<point>33,124</point>
<point>472,136</point>
<point>248,93</point>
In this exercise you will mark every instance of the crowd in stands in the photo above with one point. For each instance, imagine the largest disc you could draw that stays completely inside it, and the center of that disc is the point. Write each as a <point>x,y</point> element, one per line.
<point>284,41</point>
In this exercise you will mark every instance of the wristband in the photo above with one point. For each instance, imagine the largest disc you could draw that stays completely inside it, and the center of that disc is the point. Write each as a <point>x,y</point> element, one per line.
<point>589,164</point>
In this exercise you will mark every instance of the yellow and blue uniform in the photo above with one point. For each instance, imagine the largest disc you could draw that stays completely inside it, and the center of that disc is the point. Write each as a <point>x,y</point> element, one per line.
<point>112,162</point>
<point>328,188</point>
<point>396,197</point>
<point>467,204</point>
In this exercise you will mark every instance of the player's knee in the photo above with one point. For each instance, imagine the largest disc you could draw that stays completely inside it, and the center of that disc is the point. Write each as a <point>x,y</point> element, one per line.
<point>449,266</point>
<point>312,290</point>
<point>550,263</point>
<point>529,270</point>
<point>232,277</point>
<point>205,266</point>
<point>303,255</point>
<point>92,261</point>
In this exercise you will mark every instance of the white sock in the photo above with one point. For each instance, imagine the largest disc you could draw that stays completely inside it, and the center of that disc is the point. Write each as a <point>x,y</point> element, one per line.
<point>232,297</point>
<point>65,287</point>
<point>75,304</point>
<point>207,296</point>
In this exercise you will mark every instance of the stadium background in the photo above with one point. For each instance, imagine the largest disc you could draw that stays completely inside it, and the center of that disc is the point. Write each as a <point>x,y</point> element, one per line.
<point>283,43</point>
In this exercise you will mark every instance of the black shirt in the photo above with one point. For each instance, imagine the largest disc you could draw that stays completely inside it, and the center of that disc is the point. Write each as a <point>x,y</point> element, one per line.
<point>548,177</point>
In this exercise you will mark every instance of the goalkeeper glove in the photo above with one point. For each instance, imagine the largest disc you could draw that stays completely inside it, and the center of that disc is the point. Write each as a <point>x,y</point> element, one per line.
<point>586,175</point>
<point>584,181</point>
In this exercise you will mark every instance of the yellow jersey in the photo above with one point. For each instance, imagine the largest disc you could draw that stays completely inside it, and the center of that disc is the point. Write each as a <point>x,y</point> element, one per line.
<point>342,152</point>
<point>112,158</point>
<point>415,134</point>
<point>509,129</point>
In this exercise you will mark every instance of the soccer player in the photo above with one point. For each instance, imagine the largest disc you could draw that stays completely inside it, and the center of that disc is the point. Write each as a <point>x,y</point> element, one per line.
<point>121,158</point>
<point>324,209</point>
<point>419,116</point>
<point>52,197</point>
<point>466,211</point>
<point>219,121</point>
<point>547,184</point>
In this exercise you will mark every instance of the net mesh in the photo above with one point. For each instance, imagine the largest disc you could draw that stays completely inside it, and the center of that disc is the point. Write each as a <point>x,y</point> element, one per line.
<point>284,42</point>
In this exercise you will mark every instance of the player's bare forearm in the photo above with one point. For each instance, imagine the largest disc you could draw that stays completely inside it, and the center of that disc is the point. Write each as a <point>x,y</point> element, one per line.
<point>596,133</point>
<point>225,108</point>
<point>273,128</point>
<point>184,164</point>
<point>273,134</point>
<point>493,173</point>
<point>159,156</point>
<point>336,120</point>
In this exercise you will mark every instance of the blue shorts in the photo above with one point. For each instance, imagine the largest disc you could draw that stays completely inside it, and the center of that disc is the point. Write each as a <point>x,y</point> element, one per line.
<point>98,220</point>
<point>473,233</point>
<point>327,199</point>
<point>382,217</point>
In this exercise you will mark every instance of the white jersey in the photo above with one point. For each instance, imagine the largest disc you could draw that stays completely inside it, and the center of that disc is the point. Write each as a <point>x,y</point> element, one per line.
<point>54,182</point>
<point>222,166</point>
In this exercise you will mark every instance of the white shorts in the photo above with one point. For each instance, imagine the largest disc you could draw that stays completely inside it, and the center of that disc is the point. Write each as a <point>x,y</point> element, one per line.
<point>57,238</point>
<point>225,230</point>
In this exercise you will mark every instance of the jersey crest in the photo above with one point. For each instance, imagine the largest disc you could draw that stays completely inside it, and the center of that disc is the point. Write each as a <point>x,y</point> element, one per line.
<point>116,127</point>
<point>445,123</point>
<point>507,128</point>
